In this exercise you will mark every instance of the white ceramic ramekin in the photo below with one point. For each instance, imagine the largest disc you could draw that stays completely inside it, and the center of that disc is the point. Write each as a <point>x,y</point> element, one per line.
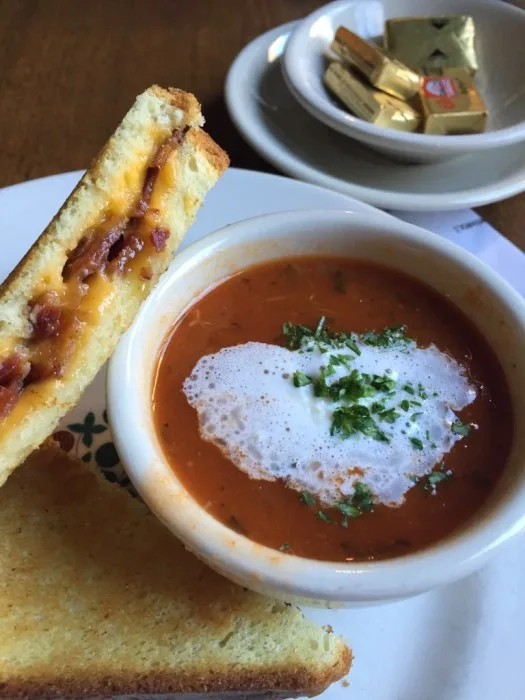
<point>497,310</point>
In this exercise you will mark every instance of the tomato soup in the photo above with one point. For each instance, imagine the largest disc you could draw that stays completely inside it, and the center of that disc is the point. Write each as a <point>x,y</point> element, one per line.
<point>333,409</point>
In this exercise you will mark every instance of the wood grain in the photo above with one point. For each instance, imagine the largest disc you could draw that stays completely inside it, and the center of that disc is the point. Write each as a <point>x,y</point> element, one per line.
<point>70,69</point>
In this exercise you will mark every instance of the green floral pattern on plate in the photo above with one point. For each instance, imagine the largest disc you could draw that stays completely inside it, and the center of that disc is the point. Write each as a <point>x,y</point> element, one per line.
<point>85,432</point>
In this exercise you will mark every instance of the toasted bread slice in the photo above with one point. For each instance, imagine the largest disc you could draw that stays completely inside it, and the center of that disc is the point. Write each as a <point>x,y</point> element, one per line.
<point>65,306</point>
<point>98,599</point>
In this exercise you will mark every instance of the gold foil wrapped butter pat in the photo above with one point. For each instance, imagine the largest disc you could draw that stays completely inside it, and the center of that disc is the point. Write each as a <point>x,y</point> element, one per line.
<point>382,72</point>
<point>427,44</point>
<point>368,103</point>
<point>451,104</point>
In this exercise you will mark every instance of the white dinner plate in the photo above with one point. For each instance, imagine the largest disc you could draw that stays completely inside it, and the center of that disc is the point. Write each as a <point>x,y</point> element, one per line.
<point>270,119</point>
<point>462,642</point>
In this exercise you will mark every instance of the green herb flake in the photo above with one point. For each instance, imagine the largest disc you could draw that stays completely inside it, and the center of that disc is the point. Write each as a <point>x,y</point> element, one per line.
<point>362,497</point>
<point>416,443</point>
<point>352,345</point>
<point>347,509</point>
<point>389,416</point>
<point>415,416</point>
<point>361,502</point>
<point>339,360</point>
<point>409,389</point>
<point>324,517</point>
<point>320,326</point>
<point>377,407</point>
<point>382,383</point>
<point>301,379</point>
<point>296,334</point>
<point>389,337</point>
<point>436,477</point>
<point>349,420</point>
<point>307,498</point>
<point>351,388</point>
<point>459,428</point>
<point>405,405</point>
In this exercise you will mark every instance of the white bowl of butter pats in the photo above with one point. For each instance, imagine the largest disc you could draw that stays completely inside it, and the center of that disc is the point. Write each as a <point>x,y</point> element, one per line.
<point>500,28</point>
<point>316,461</point>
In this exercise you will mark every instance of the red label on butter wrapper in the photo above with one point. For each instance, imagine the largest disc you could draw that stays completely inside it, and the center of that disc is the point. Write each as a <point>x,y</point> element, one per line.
<point>439,87</point>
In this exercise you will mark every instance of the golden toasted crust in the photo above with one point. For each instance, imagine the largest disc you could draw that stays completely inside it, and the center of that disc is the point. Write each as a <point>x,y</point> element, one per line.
<point>203,142</point>
<point>184,101</point>
<point>98,599</point>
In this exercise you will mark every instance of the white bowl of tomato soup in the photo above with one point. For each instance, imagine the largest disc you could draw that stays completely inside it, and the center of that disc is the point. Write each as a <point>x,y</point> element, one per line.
<point>326,406</point>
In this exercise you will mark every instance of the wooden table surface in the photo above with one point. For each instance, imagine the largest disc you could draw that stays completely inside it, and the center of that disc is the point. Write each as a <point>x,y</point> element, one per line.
<point>70,69</point>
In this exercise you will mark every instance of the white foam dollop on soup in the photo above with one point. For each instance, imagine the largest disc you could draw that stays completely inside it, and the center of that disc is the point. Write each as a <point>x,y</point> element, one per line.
<point>248,406</point>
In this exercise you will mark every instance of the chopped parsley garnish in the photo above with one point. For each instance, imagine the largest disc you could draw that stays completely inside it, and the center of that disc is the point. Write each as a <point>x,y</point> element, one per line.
<point>389,416</point>
<point>330,370</point>
<point>324,517</point>
<point>350,388</point>
<point>307,498</point>
<point>459,428</point>
<point>416,443</point>
<point>319,330</point>
<point>351,344</point>
<point>361,502</point>
<point>430,481</point>
<point>301,379</point>
<point>362,497</point>
<point>300,336</point>
<point>349,420</point>
<point>436,477</point>
<point>382,382</point>
<point>296,334</point>
<point>387,338</point>
<point>347,509</point>
<point>338,360</point>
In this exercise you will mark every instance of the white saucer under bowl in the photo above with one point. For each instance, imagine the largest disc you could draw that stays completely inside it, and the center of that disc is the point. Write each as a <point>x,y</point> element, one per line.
<point>277,127</point>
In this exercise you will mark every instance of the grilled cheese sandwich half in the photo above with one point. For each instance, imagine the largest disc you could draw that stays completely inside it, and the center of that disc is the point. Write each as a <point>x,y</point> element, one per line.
<point>65,306</point>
